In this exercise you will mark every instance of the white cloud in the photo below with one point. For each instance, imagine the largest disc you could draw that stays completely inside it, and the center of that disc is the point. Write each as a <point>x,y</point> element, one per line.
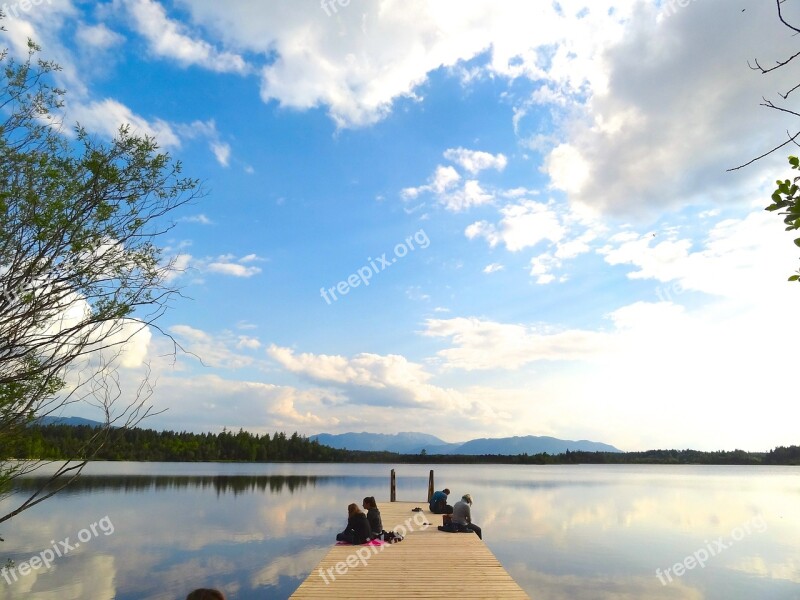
<point>98,36</point>
<point>661,128</point>
<point>577,246</point>
<point>358,62</point>
<point>493,268</point>
<point>569,171</point>
<point>523,225</point>
<point>705,364</point>
<point>201,219</point>
<point>444,185</point>
<point>220,350</point>
<point>248,342</point>
<point>474,161</point>
<point>481,344</point>
<point>222,152</point>
<point>472,194</point>
<point>234,269</point>
<point>171,39</point>
<point>207,130</point>
<point>387,381</point>
<point>206,402</point>
<point>443,180</point>
<point>542,267</point>
<point>741,259</point>
<point>226,264</point>
<point>107,116</point>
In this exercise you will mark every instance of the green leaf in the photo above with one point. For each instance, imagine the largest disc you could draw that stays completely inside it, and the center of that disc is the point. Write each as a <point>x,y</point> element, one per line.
<point>794,161</point>
<point>797,242</point>
<point>794,278</point>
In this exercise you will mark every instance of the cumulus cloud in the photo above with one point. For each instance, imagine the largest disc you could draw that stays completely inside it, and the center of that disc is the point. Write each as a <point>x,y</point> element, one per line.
<point>225,264</point>
<point>481,344</point>
<point>222,350</point>
<point>474,161</point>
<point>370,378</point>
<point>384,381</point>
<point>98,36</point>
<point>107,116</point>
<point>663,128</point>
<point>233,269</point>
<point>450,191</point>
<point>207,402</point>
<point>743,259</point>
<point>523,225</point>
<point>358,63</point>
<point>171,39</point>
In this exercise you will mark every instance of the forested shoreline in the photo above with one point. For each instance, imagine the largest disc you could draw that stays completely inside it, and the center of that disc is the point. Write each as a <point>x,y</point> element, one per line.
<point>61,442</point>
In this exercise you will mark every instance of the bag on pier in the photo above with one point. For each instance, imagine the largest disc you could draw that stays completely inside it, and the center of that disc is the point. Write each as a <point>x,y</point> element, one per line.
<point>390,537</point>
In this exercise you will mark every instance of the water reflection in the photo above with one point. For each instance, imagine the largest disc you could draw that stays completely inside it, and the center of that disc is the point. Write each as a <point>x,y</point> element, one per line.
<point>221,484</point>
<point>594,532</point>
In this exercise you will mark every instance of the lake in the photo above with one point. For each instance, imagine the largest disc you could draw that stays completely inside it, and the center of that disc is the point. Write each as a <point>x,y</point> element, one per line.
<point>134,531</point>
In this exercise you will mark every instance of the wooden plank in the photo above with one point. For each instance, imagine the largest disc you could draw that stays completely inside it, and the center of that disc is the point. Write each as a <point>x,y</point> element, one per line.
<point>428,563</point>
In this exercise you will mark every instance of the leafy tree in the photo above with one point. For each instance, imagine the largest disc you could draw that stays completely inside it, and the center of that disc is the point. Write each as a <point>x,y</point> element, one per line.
<point>786,199</point>
<point>785,196</point>
<point>80,271</point>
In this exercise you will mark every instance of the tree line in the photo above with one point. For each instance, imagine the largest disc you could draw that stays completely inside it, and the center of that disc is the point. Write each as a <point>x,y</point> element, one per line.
<point>68,442</point>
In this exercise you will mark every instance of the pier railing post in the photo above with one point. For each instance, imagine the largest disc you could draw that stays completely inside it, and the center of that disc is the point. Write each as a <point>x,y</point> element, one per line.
<point>430,485</point>
<point>392,488</point>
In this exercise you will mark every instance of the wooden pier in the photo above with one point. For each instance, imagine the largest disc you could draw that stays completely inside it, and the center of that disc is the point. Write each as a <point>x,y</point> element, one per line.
<point>428,563</point>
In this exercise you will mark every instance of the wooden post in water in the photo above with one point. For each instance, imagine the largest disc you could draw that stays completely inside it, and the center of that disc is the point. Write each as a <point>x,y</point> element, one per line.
<point>430,485</point>
<point>392,488</point>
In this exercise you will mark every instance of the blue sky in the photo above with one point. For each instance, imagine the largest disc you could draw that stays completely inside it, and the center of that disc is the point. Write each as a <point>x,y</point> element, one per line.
<point>566,252</point>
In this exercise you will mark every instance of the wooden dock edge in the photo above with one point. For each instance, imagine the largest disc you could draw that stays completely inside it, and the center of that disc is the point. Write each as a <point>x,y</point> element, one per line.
<point>427,564</point>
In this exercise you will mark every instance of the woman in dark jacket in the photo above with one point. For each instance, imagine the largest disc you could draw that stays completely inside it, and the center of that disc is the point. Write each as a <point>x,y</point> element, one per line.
<point>373,516</point>
<point>357,531</point>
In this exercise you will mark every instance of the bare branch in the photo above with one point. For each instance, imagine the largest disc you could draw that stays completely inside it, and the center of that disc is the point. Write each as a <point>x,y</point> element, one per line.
<point>784,21</point>
<point>750,162</point>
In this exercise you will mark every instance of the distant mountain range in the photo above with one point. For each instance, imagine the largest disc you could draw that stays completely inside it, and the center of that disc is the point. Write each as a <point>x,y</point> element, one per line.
<point>411,442</point>
<point>67,421</point>
<point>414,443</point>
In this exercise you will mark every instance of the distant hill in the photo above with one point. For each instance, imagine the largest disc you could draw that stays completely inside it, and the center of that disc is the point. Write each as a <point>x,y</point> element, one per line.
<point>414,443</point>
<point>407,442</point>
<point>74,421</point>
<point>531,444</point>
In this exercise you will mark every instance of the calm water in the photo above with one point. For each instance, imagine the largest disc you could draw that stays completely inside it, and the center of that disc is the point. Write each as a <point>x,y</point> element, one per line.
<point>157,530</point>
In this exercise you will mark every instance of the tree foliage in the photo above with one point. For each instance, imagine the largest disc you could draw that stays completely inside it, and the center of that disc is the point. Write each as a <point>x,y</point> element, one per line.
<point>786,199</point>
<point>80,270</point>
<point>63,441</point>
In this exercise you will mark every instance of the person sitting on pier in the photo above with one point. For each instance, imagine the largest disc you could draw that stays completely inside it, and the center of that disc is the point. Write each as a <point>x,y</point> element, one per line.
<point>438,503</point>
<point>357,530</point>
<point>462,515</point>
<point>373,516</point>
